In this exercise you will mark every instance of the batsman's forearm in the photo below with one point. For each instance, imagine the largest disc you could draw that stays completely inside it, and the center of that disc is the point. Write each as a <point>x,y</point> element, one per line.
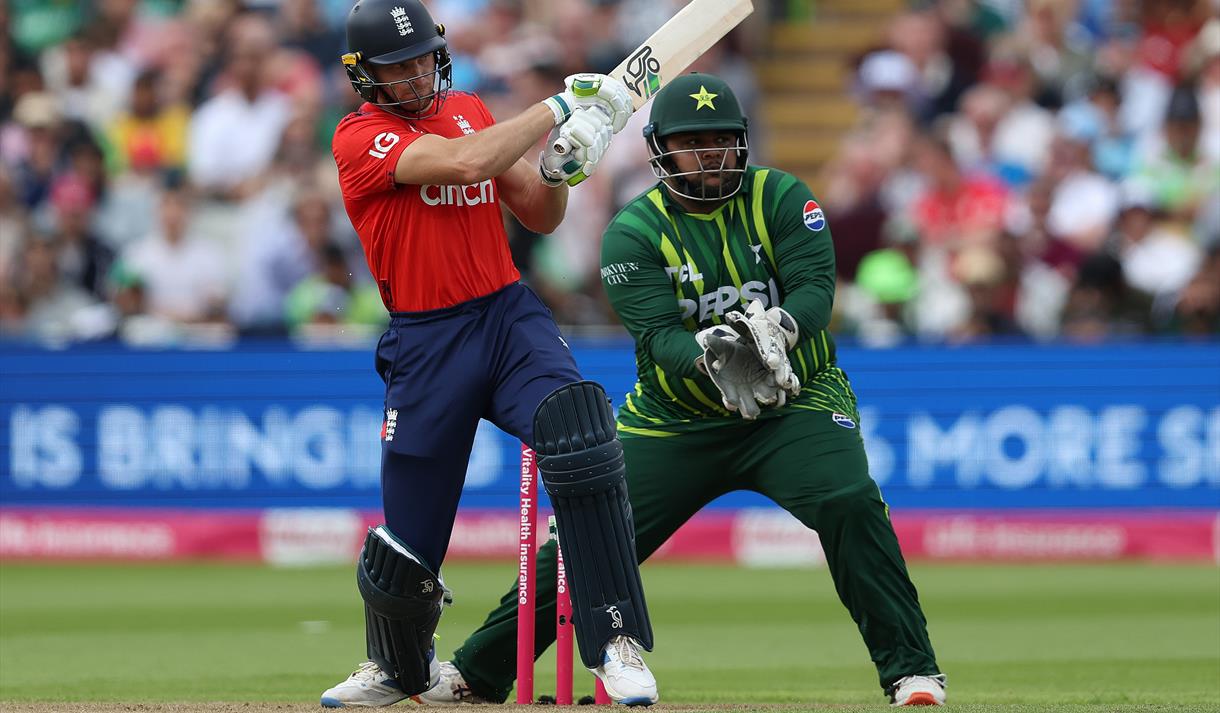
<point>546,205</point>
<point>491,152</point>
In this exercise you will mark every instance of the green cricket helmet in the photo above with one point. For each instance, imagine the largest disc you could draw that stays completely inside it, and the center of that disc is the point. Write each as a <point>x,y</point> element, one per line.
<point>698,102</point>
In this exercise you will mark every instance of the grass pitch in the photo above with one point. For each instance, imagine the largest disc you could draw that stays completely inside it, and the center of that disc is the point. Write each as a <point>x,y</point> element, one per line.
<point>1019,638</point>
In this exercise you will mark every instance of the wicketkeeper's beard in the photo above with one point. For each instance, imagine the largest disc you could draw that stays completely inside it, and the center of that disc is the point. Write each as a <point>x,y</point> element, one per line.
<point>706,185</point>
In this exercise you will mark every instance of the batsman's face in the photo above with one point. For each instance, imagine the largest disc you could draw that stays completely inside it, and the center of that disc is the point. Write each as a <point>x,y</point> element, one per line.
<point>412,82</point>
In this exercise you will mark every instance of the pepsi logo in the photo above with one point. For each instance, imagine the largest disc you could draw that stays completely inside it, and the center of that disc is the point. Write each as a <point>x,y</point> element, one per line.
<point>815,220</point>
<point>843,420</point>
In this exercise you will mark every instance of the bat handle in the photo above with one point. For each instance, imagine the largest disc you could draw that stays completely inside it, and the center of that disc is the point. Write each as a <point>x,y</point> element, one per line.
<point>583,85</point>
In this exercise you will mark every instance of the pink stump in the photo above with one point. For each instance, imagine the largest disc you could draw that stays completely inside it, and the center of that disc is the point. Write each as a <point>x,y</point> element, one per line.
<point>563,627</point>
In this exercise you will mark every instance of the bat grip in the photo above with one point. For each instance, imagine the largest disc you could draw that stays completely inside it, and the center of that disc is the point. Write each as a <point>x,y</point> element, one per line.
<point>583,85</point>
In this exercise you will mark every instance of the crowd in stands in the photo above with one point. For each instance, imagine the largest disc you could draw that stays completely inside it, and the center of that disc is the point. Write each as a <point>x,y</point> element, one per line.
<point>1040,169</point>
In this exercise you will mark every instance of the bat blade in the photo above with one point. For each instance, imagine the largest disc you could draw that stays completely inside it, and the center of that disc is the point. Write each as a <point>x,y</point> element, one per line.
<point>673,47</point>
<point>678,43</point>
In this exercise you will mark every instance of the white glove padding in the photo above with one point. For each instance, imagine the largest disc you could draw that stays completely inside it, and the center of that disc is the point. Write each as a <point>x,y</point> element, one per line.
<point>589,89</point>
<point>558,168</point>
<point>588,133</point>
<point>771,333</point>
<point>745,383</point>
<point>585,91</point>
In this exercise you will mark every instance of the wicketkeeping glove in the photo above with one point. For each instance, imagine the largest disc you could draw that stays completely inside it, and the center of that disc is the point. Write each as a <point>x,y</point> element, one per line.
<point>771,333</point>
<point>745,383</point>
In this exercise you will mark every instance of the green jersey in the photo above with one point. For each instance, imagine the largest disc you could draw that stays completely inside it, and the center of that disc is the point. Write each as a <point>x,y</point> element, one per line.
<point>669,274</point>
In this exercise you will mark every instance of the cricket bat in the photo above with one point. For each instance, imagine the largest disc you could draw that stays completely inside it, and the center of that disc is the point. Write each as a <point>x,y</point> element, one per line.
<point>670,50</point>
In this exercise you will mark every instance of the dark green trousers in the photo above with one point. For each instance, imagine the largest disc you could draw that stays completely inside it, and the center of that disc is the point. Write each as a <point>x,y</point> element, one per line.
<point>805,462</point>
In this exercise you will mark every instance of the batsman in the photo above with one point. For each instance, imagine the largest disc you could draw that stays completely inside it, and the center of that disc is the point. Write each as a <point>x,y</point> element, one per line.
<point>724,275</point>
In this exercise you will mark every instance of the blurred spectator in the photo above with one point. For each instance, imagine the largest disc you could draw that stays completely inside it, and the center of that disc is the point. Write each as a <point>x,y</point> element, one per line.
<point>234,135</point>
<point>1157,259</point>
<point>183,275</point>
<point>874,306</point>
<point>921,37</point>
<point>1083,203</point>
<point>1022,142</point>
<point>333,301</point>
<point>35,153</point>
<point>1057,50</point>
<point>12,225</point>
<point>1197,311</point>
<point>151,136</point>
<point>40,25</point>
<point>278,257</point>
<point>302,27</point>
<point>43,303</point>
<point>972,130</point>
<point>1204,65</point>
<point>991,286</point>
<point>1173,167</point>
<point>854,200</point>
<point>955,209</point>
<point>84,260</point>
<point>1095,119</point>
<point>889,79</point>
<point>91,85</point>
<point>1101,305</point>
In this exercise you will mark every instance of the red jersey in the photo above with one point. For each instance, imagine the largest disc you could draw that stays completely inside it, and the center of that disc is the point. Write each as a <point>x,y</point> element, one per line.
<point>427,246</point>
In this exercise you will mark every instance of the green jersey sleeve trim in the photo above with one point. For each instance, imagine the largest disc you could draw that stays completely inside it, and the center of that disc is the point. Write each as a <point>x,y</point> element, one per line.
<point>703,398</point>
<point>647,432</point>
<point>760,221</point>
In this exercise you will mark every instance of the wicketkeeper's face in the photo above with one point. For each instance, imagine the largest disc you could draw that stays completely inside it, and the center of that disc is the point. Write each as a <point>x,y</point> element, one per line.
<point>703,165</point>
<point>709,152</point>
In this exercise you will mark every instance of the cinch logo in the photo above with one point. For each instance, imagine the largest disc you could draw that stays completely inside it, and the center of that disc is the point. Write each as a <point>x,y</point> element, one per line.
<point>842,420</point>
<point>473,194</point>
<point>814,218</point>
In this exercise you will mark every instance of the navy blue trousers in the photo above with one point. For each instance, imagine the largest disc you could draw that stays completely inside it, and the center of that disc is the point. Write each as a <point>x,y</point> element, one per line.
<point>495,358</point>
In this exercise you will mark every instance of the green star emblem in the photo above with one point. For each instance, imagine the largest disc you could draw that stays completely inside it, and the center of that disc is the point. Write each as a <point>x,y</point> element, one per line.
<point>703,98</point>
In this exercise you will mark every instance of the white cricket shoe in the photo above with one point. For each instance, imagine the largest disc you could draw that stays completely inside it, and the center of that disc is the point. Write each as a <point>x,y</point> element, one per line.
<point>625,675</point>
<point>449,690</point>
<point>918,691</point>
<point>367,687</point>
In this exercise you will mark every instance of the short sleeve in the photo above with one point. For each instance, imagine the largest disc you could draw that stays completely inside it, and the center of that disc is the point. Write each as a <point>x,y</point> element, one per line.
<point>366,152</point>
